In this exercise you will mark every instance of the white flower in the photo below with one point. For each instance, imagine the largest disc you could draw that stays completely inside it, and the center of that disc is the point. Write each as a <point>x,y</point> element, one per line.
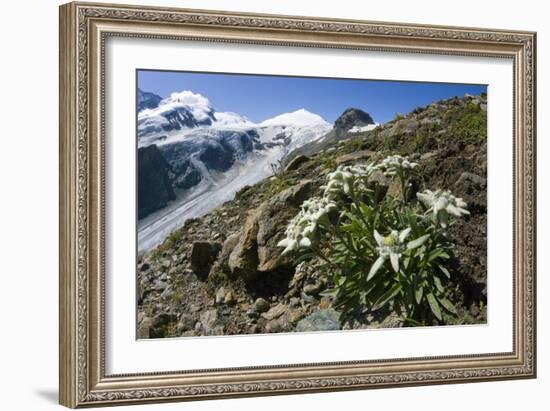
<point>347,178</point>
<point>390,246</point>
<point>439,201</point>
<point>391,165</point>
<point>301,229</point>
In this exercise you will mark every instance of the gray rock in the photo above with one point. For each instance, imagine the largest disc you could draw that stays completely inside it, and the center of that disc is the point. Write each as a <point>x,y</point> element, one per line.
<point>203,255</point>
<point>167,293</point>
<point>261,305</point>
<point>243,259</point>
<point>275,312</point>
<point>229,298</point>
<point>471,182</point>
<point>208,321</point>
<point>163,319</point>
<point>220,295</point>
<point>228,247</point>
<point>294,302</point>
<point>160,285</point>
<point>322,320</point>
<point>144,328</point>
<point>312,289</point>
<point>294,195</point>
<point>295,315</point>
<point>256,249</point>
<point>185,323</point>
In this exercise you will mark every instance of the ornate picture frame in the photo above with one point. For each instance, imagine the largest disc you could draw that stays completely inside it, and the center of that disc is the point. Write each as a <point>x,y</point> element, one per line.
<point>84,29</point>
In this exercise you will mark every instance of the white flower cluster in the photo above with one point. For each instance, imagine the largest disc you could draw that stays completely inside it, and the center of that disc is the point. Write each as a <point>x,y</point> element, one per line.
<point>392,165</point>
<point>301,229</point>
<point>443,201</point>
<point>348,178</point>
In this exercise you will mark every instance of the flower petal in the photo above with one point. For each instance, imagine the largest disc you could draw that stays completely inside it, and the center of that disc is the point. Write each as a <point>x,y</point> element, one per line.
<point>379,239</point>
<point>394,258</point>
<point>305,242</point>
<point>404,234</point>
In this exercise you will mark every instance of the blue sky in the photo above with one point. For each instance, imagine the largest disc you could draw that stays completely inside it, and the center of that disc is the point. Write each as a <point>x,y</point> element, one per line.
<point>263,97</point>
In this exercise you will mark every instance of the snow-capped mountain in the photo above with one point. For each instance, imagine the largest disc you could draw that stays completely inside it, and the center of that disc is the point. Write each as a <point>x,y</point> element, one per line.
<point>210,155</point>
<point>180,112</point>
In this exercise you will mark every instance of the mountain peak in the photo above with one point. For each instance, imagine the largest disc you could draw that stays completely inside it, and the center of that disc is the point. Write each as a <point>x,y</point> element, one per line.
<point>147,100</point>
<point>300,117</point>
<point>353,117</point>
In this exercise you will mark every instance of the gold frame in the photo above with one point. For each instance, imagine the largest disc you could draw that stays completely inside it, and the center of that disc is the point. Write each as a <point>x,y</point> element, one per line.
<point>83,30</point>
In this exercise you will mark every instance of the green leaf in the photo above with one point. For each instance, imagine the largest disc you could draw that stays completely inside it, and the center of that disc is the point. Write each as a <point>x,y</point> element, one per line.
<point>434,306</point>
<point>447,305</point>
<point>375,267</point>
<point>418,242</point>
<point>329,293</point>
<point>445,271</point>
<point>419,293</point>
<point>388,295</point>
<point>438,253</point>
<point>438,284</point>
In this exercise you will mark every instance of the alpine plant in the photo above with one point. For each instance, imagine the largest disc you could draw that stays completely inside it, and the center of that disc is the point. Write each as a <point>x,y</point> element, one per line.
<point>382,252</point>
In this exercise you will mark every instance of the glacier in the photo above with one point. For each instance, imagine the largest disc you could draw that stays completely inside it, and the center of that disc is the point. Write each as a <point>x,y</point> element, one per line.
<point>225,149</point>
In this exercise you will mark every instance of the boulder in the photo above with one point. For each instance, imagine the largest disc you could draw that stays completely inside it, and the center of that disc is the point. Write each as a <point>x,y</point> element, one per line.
<point>243,259</point>
<point>278,325</point>
<point>209,323</point>
<point>322,320</point>
<point>256,249</point>
<point>273,217</point>
<point>275,312</point>
<point>228,247</point>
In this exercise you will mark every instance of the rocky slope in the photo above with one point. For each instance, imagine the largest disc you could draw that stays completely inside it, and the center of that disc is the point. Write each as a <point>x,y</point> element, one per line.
<point>223,273</point>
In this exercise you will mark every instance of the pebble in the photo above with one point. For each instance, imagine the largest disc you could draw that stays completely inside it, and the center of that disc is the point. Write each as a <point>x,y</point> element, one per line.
<point>261,305</point>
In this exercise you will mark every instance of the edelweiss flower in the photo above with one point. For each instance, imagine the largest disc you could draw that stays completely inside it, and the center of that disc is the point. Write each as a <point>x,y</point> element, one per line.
<point>393,164</point>
<point>390,246</point>
<point>346,178</point>
<point>444,201</point>
<point>301,229</point>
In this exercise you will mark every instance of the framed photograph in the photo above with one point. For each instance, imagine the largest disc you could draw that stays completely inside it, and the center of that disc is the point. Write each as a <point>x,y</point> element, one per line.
<point>259,204</point>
